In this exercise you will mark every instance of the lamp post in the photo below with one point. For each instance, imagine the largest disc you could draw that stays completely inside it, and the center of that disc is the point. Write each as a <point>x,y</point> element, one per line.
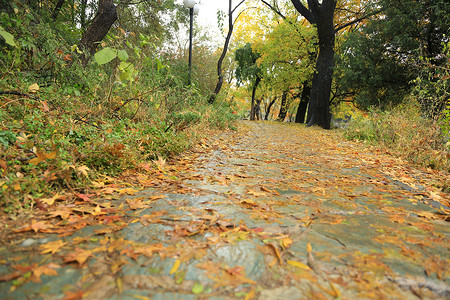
<point>193,10</point>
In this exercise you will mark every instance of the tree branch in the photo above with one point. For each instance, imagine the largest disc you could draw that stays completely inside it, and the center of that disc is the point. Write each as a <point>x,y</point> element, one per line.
<point>357,20</point>
<point>274,9</point>
<point>304,11</point>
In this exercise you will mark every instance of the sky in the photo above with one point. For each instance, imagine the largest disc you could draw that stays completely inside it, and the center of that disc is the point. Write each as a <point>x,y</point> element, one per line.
<point>207,15</point>
<point>208,11</point>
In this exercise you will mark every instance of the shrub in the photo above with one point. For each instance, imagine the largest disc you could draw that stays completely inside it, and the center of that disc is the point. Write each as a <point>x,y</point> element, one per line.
<point>406,132</point>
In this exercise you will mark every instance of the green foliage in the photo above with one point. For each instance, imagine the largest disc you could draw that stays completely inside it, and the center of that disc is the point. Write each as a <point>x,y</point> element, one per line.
<point>247,68</point>
<point>288,55</point>
<point>404,131</point>
<point>432,88</point>
<point>124,107</point>
<point>7,138</point>
<point>9,39</point>
<point>377,61</point>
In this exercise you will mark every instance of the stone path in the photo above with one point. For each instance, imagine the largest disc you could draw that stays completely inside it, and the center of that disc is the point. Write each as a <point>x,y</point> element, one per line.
<point>275,211</point>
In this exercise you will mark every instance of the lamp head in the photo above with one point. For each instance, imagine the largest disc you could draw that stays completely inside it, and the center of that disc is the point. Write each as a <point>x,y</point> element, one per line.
<point>189,3</point>
<point>196,9</point>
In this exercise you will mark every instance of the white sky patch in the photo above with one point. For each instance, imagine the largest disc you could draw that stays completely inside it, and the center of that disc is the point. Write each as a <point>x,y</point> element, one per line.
<point>207,17</point>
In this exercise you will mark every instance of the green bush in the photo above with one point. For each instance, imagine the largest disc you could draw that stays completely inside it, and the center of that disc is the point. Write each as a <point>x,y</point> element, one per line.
<point>88,120</point>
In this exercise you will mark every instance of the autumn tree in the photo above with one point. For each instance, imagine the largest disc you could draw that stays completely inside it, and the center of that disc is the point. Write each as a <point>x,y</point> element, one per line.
<point>248,70</point>
<point>287,56</point>
<point>231,22</point>
<point>322,14</point>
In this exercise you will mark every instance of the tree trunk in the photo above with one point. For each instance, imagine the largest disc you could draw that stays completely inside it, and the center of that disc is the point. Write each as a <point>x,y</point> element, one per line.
<point>57,9</point>
<point>83,8</point>
<point>319,101</point>
<point>105,18</point>
<point>219,84</point>
<point>266,117</point>
<point>321,14</point>
<point>303,105</point>
<point>252,109</point>
<point>283,108</point>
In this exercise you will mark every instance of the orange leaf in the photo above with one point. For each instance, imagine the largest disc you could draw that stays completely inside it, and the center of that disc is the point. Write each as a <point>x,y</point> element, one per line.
<point>79,256</point>
<point>44,270</point>
<point>52,247</point>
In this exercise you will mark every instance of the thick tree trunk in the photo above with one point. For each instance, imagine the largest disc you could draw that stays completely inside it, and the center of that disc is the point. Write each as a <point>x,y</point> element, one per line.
<point>252,109</point>
<point>303,105</point>
<point>283,107</point>
<point>319,102</point>
<point>105,18</point>
<point>322,14</point>
<point>266,117</point>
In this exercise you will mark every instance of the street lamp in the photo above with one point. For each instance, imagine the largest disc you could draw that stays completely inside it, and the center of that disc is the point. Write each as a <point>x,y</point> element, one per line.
<point>193,10</point>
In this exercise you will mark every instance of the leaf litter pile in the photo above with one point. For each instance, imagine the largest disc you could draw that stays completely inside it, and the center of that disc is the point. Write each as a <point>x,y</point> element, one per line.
<point>272,211</point>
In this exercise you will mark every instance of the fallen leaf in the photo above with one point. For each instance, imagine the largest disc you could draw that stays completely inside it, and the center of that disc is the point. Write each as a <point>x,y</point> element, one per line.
<point>257,194</point>
<point>42,156</point>
<point>298,264</point>
<point>160,163</point>
<point>44,270</point>
<point>128,191</point>
<point>287,242</point>
<point>10,276</point>
<point>197,288</point>
<point>51,201</point>
<point>175,266</point>
<point>79,256</point>
<point>33,88</point>
<point>52,247</point>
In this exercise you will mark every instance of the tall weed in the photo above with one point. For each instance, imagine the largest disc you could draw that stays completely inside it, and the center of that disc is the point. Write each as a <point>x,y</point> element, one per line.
<point>404,131</point>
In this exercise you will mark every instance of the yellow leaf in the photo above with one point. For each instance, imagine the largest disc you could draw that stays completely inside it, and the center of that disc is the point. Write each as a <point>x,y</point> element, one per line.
<point>128,191</point>
<point>336,293</point>
<point>52,247</point>
<point>298,264</point>
<point>97,211</point>
<point>175,267</point>
<point>308,248</point>
<point>52,200</point>
<point>119,285</point>
<point>33,88</point>
<point>287,242</point>
<point>141,297</point>
<point>83,170</point>
<point>257,194</point>
<point>250,295</point>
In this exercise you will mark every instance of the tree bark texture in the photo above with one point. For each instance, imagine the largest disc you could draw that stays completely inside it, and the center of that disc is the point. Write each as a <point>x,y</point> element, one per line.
<point>97,30</point>
<point>303,104</point>
<point>321,14</point>
<point>283,107</point>
<point>266,117</point>
<point>252,109</point>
